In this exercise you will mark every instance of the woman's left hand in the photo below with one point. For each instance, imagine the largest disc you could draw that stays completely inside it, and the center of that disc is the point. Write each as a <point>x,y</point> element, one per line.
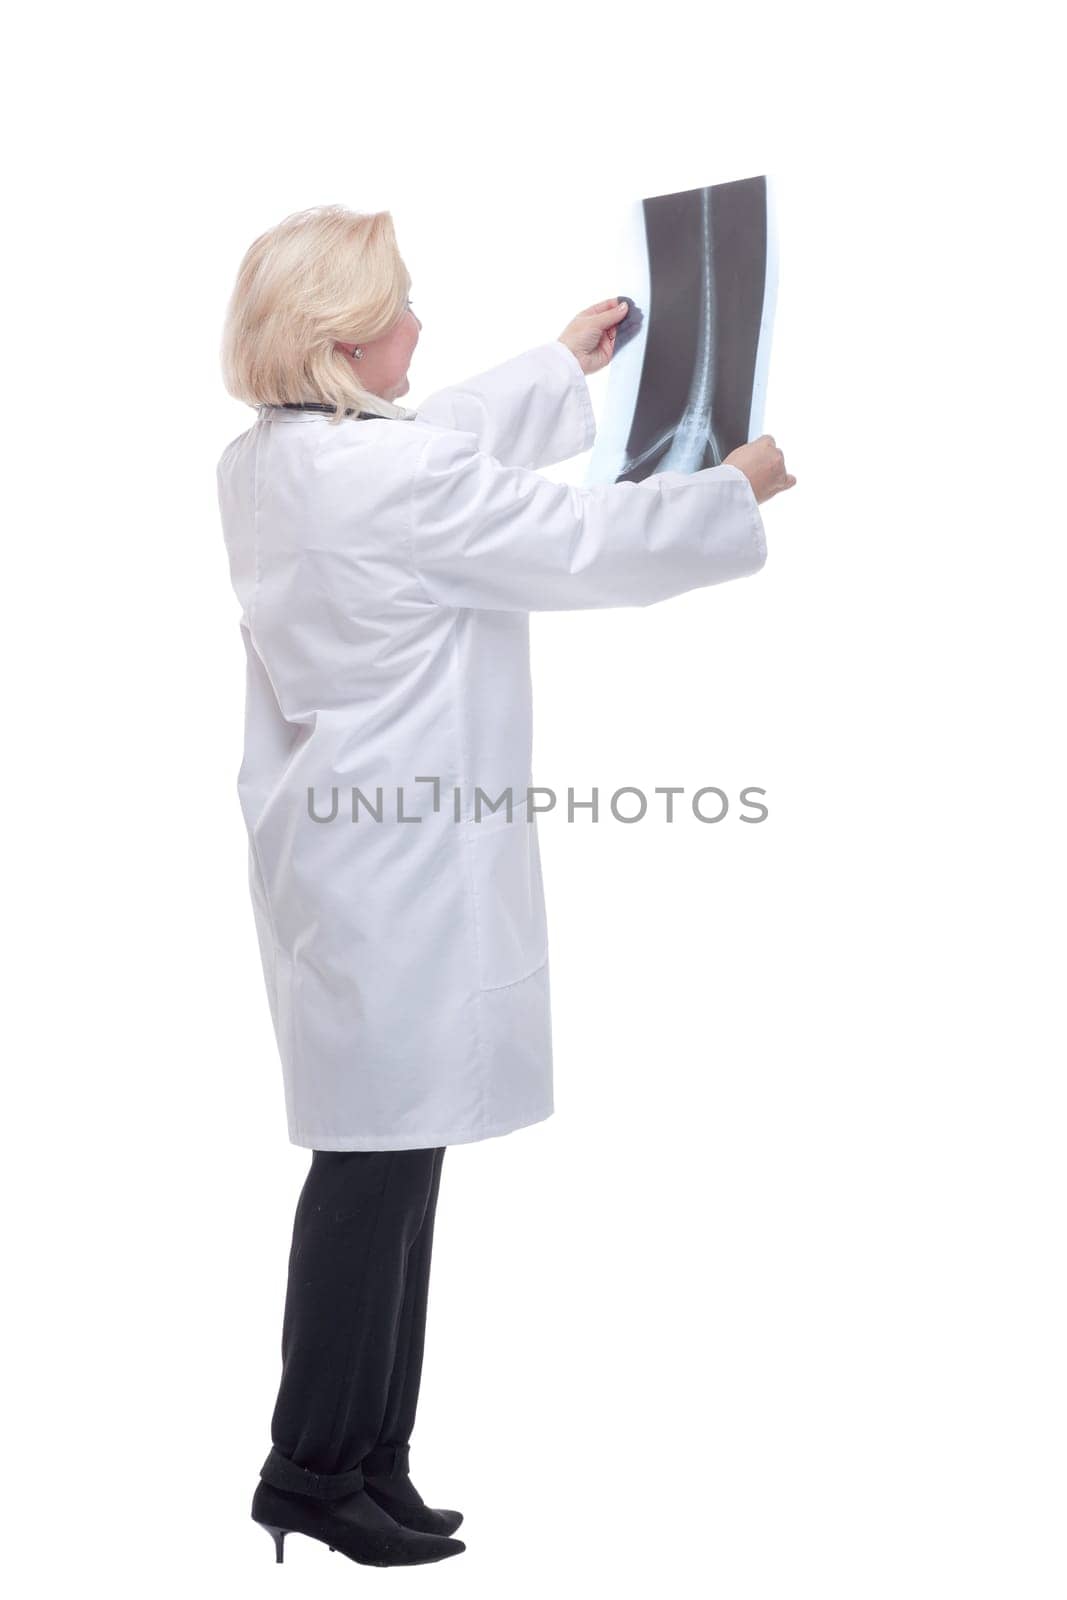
<point>591,335</point>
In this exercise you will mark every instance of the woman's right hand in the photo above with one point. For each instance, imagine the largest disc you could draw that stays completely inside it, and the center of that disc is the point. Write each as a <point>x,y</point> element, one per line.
<point>763,464</point>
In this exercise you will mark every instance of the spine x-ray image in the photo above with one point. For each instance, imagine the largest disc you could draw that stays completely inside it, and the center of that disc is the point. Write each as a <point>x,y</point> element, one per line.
<point>688,378</point>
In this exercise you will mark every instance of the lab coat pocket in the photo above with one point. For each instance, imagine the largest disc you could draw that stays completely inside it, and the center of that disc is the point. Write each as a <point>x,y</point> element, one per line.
<point>508,897</point>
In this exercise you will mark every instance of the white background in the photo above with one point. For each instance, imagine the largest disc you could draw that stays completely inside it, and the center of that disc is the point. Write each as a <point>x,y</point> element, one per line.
<point>774,1305</point>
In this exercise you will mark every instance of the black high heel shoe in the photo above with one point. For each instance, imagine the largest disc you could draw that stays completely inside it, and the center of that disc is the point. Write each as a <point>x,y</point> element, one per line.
<point>387,1479</point>
<point>397,1495</point>
<point>355,1525</point>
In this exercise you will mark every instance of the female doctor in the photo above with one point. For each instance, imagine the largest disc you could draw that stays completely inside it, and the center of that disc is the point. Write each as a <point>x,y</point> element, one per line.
<point>386,562</point>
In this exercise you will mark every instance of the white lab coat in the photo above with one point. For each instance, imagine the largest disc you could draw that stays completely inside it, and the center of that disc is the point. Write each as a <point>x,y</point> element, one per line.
<point>386,569</point>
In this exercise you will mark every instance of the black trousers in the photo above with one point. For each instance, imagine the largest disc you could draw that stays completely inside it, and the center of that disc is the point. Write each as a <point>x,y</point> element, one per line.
<point>355,1319</point>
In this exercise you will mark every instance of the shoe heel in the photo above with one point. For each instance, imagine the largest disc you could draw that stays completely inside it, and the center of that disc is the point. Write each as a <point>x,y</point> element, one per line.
<point>278,1535</point>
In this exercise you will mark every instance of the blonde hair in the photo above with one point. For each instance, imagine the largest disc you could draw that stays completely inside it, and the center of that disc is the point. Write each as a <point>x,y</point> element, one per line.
<point>318,276</point>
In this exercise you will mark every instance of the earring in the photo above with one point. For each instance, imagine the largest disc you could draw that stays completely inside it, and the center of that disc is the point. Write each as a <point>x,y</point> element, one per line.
<point>357,352</point>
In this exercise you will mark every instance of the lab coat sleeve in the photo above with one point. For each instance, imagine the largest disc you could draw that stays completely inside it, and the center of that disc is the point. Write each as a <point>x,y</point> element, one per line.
<point>532,411</point>
<point>499,538</point>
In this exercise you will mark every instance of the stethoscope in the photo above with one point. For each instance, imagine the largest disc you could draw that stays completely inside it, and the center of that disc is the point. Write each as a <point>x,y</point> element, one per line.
<point>320,405</point>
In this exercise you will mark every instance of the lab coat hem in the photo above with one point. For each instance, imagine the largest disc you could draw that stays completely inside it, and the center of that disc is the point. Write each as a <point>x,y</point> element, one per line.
<point>420,1141</point>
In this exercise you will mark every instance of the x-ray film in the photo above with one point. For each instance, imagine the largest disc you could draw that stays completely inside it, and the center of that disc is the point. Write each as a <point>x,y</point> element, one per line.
<point>688,378</point>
